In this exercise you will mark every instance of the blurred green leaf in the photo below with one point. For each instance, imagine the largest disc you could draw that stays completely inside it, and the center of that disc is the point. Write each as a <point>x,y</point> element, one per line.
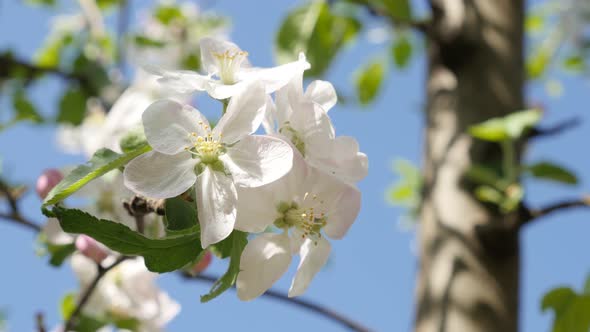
<point>534,22</point>
<point>316,31</point>
<point>145,41</point>
<point>59,253</point>
<point>511,126</point>
<point>102,162</point>
<point>550,171</point>
<point>134,139</point>
<point>575,63</point>
<point>399,9</point>
<point>369,81</point>
<point>481,174</point>
<point>237,241</point>
<point>25,110</point>
<point>42,2</point>
<point>401,51</point>
<point>167,13</point>
<point>72,107</point>
<point>161,255</point>
<point>180,214</point>
<point>49,55</point>
<point>67,306</point>
<point>489,194</point>
<point>571,310</point>
<point>538,63</point>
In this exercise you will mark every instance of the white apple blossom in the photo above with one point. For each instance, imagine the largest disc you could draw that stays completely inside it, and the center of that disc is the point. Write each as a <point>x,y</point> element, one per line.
<point>302,118</point>
<point>228,72</point>
<point>105,130</point>
<point>305,204</point>
<point>127,291</point>
<point>188,153</point>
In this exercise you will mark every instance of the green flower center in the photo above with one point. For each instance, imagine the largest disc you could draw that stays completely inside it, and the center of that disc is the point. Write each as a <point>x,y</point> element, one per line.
<point>207,148</point>
<point>228,64</point>
<point>294,137</point>
<point>308,220</point>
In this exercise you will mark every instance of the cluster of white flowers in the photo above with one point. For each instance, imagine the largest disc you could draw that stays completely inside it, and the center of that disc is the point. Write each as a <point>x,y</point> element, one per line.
<point>299,177</point>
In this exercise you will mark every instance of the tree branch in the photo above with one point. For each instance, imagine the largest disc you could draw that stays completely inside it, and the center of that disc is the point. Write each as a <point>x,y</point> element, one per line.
<point>303,304</point>
<point>530,215</point>
<point>554,130</point>
<point>14,214</point>
<point>101,272</point>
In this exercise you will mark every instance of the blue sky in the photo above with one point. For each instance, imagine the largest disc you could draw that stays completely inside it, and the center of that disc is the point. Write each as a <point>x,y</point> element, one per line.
<point>371,274</point>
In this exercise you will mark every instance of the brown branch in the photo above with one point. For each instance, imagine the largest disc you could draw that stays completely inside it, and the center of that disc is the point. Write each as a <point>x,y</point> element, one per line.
<point>303,304</point>
<point>554,130</point>
<point>529,215</point>
<point>40,322</point>
<point>14,214</point>
<point>101,272</point>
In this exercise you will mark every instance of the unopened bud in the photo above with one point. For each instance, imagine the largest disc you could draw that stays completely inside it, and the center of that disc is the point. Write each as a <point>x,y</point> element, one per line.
<point>90,248</point>
<point>47,180</point>
<point>202,264</point>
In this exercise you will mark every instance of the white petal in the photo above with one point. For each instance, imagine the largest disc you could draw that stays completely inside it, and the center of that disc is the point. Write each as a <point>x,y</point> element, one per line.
<point>182,81</point>
<point>276,77</point>
<point>322,93</point>
<point>315,127</point>
<point>258,159</point>
<point>216,204</point>
<point>341,201</point>
<point>345,161</point>
<point>264,260</point>
<point>314,256</point>
<point>243,116</point>
<point>270,118</point>
<point>220,91</point>
<point>210,47</point>
<point>168,125</point>
<point>257,207</point>
<point>158,175</point>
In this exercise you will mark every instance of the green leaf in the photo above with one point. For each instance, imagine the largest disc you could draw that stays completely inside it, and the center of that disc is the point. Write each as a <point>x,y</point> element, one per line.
<point>399,9</point>
<point>24,109</point>
<point>402,51</point>
<point>103,161</point>
<point>166,14</point>
<point>512,126</point>
<point>489,194</point>
<point>534,22</point>
<point>548,171</point>
<point>67,306</point>
<point>89,324</point>
<point>557,299</point>
<point>59,253</point>
<point>318,32</point>
<point>538,63</point>
<point>161,255</point>
<point>369,80</point>
<point>575,63</point>
<point>72,107</point>
<point>586,289</point>
<point>180,214</point>
<point>485,175</point>
<point>238,241</point>
<point>145,41</point>
<point>572,311</point>
<point>133,140</point>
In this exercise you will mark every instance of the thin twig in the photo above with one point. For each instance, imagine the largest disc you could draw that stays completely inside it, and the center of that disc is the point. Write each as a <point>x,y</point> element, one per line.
<point>556,129</point>
<point>15,214</point>
<point>40,322</point>
<point>101,271</point>
<point>304,304</point>
<point>533,214</point>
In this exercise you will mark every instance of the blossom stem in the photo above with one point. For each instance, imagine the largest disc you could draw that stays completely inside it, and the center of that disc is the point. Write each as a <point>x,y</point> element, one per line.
<point>101,271</point>
<point>300,303</point>
<point>15,214</point>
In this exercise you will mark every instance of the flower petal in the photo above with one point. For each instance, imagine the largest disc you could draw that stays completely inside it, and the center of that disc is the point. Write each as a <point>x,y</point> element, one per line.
<point>264,260</point>
<point>314,255</point>
<point>158,175</point>
<point>315,127</point>
<point>270,117</point>
<point>168,125</point>
<point>341,201</point>
<point>345,161</point>
<point>258,159</point>
<point>54,234</point>
<point>322,93</point>
<point>216,204</point>
<point>181,81</point>
<point>243,116</point>
<point>276,77</point>
<point>212,47</point>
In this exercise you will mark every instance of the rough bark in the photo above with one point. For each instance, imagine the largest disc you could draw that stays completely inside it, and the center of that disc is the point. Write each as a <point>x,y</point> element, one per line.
<point>469,254</point>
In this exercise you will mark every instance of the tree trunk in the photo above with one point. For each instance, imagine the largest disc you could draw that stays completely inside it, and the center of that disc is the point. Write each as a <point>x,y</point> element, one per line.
<point>469,253</point>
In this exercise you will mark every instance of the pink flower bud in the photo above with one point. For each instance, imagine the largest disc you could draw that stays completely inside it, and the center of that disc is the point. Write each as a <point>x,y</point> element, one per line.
<point>47,180</point>
<point>90,248</point>
<point>202,264</point>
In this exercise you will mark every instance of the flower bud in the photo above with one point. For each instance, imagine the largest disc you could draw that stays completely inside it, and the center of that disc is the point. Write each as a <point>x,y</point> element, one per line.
<point>47,180</point>
<point>202,264</point>
<point>90,248</point>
